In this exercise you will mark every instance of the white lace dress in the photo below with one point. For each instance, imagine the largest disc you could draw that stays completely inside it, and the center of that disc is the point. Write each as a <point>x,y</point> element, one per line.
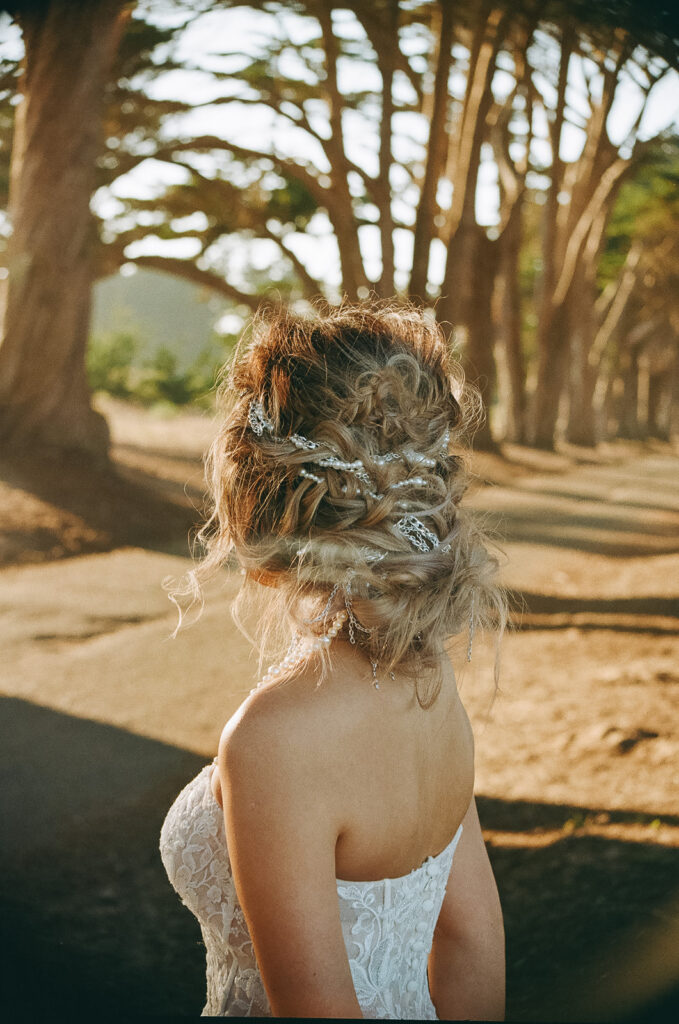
<point>388,925</point>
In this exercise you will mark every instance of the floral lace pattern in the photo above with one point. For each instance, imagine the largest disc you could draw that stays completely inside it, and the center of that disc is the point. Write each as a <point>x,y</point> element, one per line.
<point>388,925</point>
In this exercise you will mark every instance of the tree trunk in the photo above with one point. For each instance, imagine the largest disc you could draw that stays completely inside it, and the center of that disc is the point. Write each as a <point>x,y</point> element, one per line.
<point>551,340</point>
<point>478,357</point>
<point>44,395</point>
<point>386,61</point>
<point>673,413</point>
<point>551,377</point>
<point>436,156</point>
<point>582,379</point>
<point>354,280</point>
<point>629,426</point>
<point>658,420</point>
<point>611,405</point>
<point>582,420</point>
<point>510,325</point>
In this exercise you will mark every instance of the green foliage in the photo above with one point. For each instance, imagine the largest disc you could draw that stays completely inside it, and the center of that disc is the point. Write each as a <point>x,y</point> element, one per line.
<point>163,380</point>
<point>109,358</point>
<point>647,206</point>
<point>114,366</point>
<point>292,204</point>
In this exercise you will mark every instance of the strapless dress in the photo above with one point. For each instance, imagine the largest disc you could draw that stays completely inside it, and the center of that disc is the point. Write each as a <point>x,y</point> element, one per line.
<point>388,925</point>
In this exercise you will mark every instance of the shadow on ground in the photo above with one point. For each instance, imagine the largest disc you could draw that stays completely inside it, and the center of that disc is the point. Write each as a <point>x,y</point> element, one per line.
<point>91,926</point>
<point>589,530</point>
<point>592,920</point>
<point>60,504</point>
<point>531,610</point>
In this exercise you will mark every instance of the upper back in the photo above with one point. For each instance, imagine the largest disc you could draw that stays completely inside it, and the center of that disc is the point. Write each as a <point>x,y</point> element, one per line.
<point>398,777</point>
<point>410,772</point>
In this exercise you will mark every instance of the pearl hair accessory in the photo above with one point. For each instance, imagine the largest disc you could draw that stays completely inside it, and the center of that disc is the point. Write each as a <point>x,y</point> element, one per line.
<point>300,647</point>
<point>355,467</point>
<point>310,476</point>
<point>413,481</point>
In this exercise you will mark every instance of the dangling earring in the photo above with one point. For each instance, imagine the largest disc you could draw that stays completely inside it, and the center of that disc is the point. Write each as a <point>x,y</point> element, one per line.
<point>471,631</point>
<point>354,625</point>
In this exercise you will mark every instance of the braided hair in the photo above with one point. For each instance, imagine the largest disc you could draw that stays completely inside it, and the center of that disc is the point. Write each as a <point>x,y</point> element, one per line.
<point>365,414</point>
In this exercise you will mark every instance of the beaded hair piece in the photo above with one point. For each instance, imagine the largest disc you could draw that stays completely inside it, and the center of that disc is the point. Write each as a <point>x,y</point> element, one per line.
<point>412,528</point>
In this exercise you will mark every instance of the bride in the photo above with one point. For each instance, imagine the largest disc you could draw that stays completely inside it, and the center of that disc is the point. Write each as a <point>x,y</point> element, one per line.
<point>332,853</point>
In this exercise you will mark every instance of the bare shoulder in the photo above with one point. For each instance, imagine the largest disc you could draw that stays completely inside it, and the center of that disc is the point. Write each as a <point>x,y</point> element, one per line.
<point>287,730</point>
<point>281,775</point>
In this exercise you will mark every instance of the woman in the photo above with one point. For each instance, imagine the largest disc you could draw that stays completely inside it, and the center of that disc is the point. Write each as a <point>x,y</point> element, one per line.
<point>316,853</point>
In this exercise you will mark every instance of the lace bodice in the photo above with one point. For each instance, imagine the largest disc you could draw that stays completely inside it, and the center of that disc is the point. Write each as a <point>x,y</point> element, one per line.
<point>388,925</point>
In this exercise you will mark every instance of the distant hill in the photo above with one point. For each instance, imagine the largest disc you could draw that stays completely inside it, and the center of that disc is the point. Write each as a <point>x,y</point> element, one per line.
<point>161,310</point>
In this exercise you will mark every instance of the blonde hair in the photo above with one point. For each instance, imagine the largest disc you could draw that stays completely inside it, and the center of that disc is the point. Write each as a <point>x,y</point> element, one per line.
<point>363,380</point>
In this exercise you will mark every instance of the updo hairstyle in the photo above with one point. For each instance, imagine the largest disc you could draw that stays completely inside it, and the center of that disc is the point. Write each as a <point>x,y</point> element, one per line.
<point>363,382</point>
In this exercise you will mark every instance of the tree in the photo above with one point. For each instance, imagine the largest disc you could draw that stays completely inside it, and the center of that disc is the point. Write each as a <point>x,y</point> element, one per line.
<point>580,198</point>
<point>379,120</point>
<point>636,349</point>
<point>69,51</point>
<point>381,197</point>
<point>79,91</point>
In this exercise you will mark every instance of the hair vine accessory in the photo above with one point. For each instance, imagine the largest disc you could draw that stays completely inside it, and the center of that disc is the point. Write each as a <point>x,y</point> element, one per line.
<point>260,422</point>
<point>376,683</point>
<point>372,557</point>
<point>471,631</point>
<point>355,625</point>
<point>326,610</point>
<point>346,613</point>
<point>257,419</point>
<point>299,441</point>
<point>299,648</point>
<point>419,535</point>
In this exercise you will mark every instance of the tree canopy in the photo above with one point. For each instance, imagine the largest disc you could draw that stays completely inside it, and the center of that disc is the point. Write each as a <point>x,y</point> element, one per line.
<point>469,156</point>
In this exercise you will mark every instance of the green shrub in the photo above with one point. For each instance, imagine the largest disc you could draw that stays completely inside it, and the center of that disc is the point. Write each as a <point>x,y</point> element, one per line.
<point>114,366</point>
<point>163,381</point>
<point>109,360</point>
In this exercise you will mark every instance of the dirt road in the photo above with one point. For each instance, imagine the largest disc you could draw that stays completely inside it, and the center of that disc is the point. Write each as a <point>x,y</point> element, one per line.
<point>105,717</point>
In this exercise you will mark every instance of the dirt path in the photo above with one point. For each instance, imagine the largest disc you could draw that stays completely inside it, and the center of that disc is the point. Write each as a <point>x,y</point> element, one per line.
<point>105,717</point>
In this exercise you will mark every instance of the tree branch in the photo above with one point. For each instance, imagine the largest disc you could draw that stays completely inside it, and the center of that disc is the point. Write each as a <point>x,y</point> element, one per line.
<point>300,172</point>
<point>625,286</point>
<point>353,271</point>
<point>609,180</point>
<point>190,272</point>
<point>312,287</point>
